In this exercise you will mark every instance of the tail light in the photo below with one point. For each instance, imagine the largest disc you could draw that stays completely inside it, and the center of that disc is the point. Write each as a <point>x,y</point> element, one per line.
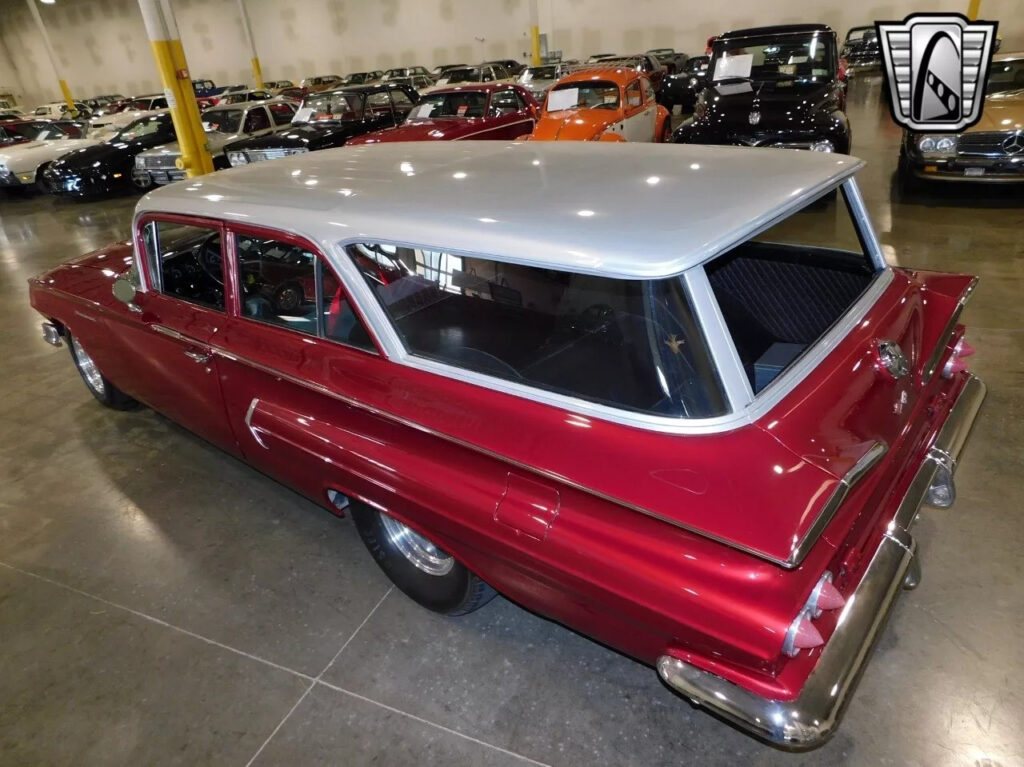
<point>955,363</point>
<point>802,633</point>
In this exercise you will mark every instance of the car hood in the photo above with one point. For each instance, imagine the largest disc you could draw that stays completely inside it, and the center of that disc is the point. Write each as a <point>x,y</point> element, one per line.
<point>574,124</point>
<point>25,157</point>
<point>442,129</point>
<point>782,106</point>
<point>309,135</point>
<point>1001,113</point>
<point>215,141</point>
<point>98,155</point>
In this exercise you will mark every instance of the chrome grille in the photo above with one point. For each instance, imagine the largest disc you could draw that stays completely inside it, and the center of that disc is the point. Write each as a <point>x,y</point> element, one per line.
<point>983,144</point>
<point>159,161</point>
<point>258,155</point>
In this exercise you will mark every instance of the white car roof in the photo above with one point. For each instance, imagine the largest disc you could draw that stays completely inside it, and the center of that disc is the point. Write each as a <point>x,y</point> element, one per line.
<point>627,210</point>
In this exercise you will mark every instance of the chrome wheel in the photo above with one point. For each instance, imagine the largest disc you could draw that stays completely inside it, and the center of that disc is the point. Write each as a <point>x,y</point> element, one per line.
<point>414,547</point>
<point>88,368</point>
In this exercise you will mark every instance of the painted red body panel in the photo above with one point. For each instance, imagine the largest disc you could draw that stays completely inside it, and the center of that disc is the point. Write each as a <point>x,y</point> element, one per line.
<point>606,528</point>
<point>503,127</point>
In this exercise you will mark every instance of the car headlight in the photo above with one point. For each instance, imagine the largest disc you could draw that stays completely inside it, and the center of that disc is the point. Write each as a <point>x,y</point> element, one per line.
<point>3,167</point>
<point>937,146</point>
<point>237,158</point>
<point>140,163</point>
<point>822,146</point>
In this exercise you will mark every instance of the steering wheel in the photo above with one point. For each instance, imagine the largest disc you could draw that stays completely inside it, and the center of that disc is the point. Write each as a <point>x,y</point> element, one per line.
<point>209,258</point>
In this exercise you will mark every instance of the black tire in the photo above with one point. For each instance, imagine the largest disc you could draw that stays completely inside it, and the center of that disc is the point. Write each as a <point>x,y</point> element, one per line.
<point>39,186</point>
<point>907,183</point>
<point>666,130</point>
<point>455,592</point>
<point>288,298</point>
<point>97,383</point>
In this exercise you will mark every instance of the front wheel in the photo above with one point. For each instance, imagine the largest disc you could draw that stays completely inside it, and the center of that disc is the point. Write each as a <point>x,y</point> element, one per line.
<point>666,132</point>
<point>424,571</point>
<point>95,381</point>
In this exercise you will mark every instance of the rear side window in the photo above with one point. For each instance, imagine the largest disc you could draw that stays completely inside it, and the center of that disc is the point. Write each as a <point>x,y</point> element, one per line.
<point>783,289</point>
<point>282,113</point>
<point>628,344</point>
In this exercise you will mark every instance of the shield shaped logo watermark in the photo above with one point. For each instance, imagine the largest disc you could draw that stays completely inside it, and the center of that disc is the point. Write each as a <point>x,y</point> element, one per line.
<point>936,66</point>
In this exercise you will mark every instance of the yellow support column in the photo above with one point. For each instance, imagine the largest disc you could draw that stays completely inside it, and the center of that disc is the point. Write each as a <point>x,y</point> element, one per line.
<point>257,73</point>
<point>170,61</point>
<point>535,33</point>
<point>973,9</point>
<point>65,91</point>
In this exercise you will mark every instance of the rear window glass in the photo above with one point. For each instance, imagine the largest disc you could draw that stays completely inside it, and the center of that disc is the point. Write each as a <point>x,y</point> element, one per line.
<point>783,289</point>
<point>628,344</point>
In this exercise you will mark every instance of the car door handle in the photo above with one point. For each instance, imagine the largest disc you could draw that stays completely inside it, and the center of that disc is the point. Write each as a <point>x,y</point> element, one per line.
<point>200,358</point>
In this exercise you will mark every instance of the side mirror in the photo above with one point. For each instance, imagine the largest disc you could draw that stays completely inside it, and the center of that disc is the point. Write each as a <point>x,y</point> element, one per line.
<point>125,292</point>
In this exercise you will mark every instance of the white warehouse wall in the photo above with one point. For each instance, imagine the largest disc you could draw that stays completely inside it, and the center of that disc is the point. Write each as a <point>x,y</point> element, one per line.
<point>102,45</point>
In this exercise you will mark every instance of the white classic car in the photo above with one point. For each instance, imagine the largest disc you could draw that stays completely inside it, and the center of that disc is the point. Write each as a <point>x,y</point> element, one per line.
<point>484,73</point>
<point>21,164</point>
<point>57,109</point>
<point>223,125</point>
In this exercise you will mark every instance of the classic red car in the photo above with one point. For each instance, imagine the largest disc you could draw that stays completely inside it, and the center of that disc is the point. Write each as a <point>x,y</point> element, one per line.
<point>480,111</point>
<point>600,103</point>
<point>691,413</point>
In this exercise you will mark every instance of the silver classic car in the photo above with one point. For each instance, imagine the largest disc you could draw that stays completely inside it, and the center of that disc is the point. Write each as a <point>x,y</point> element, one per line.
<point>223,125</point>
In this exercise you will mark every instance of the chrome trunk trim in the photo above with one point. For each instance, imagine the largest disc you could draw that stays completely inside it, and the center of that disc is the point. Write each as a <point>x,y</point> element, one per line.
<point>811,717</point>
<point>940,346</point>
<point>851,478</point>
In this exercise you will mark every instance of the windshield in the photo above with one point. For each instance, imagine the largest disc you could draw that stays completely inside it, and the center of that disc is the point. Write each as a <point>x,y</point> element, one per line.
<point>461,104</point>
<point>590,94</point>
<point>465,75</point>
<point>36,131</point>
<point>223,120</point>
<point>856,35</point>
<point>331,106</point>
<point>632,345</point>
<point>791,57</point>
<point>697,65</point>
<point>1005,76</point>
<point>539,73</point>
<point>145,126</point>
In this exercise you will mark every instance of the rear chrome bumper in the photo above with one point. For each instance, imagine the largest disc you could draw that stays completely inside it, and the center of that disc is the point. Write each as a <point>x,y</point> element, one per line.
<point>809,719</point>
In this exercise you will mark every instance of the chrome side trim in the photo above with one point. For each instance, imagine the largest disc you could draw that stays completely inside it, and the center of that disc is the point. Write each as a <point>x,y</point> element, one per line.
<point>248,423</point>
<point>940,345</point>
<point>809,719</point>
<point>553,476</point>
<point>171,333</point>
<point>851,478</point>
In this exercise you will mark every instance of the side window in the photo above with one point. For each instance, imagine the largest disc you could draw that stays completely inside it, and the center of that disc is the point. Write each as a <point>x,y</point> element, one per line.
<point>648,91</point>
<point>488,74</point>
<point>503,103</point>
<point>256,120</point>
<point>378,104</point>
<point>340,322</point>
<point>282,113</point>
<point>160,103</point>
<point>631,344</point>
<point>501,73</point>
<point>401,101</point>
<point>633,94</point>
<point>185,262</point>
<point>277,283</point>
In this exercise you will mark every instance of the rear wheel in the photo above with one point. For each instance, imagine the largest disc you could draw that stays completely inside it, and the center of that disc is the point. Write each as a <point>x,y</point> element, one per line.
<point>419,567</point>
<point>95,381</point>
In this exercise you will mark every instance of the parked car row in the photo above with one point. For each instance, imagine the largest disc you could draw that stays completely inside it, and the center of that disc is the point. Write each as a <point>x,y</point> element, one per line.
<point>780,87</point>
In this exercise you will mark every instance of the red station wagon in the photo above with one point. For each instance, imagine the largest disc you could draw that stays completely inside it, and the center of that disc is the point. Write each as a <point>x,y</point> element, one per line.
<point>670,396</point>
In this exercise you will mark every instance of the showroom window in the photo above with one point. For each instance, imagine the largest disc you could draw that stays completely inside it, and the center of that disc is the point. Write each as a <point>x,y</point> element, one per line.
<point>185,261</point>
<point>629,344</point>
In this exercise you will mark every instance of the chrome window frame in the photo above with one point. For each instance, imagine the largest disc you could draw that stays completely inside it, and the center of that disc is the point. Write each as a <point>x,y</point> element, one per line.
<point>395,350</point>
